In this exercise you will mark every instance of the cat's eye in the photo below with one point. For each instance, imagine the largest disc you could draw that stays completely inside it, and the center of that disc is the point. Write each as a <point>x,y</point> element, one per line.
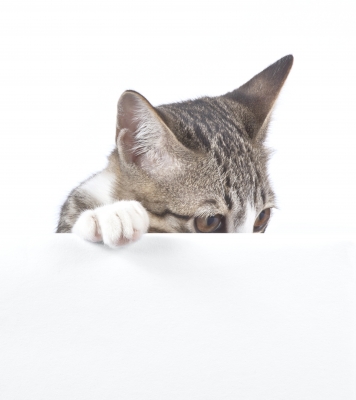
<point>262,220</point>
<point>208,224</point>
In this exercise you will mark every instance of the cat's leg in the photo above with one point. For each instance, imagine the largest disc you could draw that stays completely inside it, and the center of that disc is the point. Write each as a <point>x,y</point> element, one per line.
<point>114,224</point>
<point>92,213</point>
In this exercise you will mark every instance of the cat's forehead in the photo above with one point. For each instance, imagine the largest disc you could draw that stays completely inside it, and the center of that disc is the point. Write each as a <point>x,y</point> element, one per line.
<point>237,166</point>
<point>211,124</point>
<point>206,112</point>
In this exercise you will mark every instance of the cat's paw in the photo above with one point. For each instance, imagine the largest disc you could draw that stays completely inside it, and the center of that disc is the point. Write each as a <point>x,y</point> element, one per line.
<point>114,224</point>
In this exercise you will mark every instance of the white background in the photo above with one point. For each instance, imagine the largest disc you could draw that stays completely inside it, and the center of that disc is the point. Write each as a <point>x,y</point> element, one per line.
<point>64,64</point>
<point>178,317</point>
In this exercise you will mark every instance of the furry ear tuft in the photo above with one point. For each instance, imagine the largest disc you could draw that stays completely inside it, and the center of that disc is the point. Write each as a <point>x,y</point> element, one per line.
<point>135,130</point>
<point>142,137</point>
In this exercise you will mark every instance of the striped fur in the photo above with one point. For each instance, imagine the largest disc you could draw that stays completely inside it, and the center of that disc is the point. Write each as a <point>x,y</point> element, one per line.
<point>180,161</point>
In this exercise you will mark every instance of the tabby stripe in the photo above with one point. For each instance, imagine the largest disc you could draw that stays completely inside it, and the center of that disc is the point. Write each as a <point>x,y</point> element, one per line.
<point>167,212</point>
<point>227,121</point>
<point>228,201</point>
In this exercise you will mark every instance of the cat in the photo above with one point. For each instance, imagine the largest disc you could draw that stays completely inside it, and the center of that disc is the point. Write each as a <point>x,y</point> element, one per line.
<point>194,166</point>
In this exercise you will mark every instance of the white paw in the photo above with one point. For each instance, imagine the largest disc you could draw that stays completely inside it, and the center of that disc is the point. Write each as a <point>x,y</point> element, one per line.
<point>114,224</point>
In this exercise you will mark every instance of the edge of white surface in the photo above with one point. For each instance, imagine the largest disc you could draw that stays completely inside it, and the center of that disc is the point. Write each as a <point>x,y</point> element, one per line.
<point>178,316</point>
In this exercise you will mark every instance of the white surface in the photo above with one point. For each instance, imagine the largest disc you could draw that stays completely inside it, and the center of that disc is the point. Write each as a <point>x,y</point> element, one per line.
<point>178,316</point>
<point>65,63</point>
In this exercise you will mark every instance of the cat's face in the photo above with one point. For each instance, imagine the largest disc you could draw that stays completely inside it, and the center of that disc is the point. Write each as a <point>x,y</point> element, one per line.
<point>201,165</point>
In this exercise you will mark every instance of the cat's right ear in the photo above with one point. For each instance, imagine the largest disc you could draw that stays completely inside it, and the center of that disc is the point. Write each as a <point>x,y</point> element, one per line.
<point>142,137</point>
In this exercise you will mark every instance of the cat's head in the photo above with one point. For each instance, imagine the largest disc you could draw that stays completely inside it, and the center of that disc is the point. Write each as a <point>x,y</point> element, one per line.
<point>201,165</point>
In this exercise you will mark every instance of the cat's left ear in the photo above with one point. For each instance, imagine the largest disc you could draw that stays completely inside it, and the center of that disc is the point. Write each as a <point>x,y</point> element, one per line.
<point>142,137</point>
<point>260,93</point>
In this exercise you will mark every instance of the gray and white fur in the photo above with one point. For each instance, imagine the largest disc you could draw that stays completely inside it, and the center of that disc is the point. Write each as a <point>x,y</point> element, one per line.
<point>177,163</point>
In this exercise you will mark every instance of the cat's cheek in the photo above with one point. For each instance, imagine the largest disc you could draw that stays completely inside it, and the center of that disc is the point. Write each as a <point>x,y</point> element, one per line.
<point>87,227</point>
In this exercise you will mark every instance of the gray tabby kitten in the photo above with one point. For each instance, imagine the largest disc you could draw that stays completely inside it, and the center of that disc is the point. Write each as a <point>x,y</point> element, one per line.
<point>195,166</point>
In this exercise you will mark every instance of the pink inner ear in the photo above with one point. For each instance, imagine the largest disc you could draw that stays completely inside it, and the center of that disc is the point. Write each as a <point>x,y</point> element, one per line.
<point>126,116</point>
<point>142,137</point>
<point>128,144</point>
<point>127,125</point>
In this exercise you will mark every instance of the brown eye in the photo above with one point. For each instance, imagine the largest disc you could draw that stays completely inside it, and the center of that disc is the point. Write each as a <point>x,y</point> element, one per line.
<point>208,224</point>
<point>262,220</point>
